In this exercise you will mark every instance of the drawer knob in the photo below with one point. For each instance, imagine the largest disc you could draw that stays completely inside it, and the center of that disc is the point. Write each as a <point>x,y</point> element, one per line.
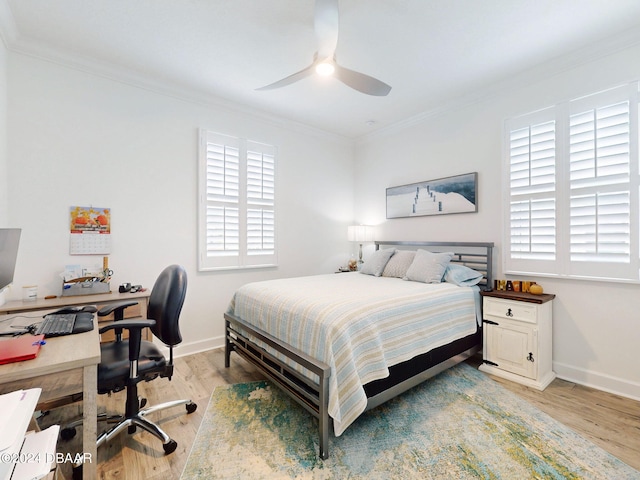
<point>509,313</point>
<point>530,357</point>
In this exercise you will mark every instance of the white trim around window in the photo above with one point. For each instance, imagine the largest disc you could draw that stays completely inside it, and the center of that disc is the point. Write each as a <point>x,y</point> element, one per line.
<point>236,203</point>
<point>572,191</point>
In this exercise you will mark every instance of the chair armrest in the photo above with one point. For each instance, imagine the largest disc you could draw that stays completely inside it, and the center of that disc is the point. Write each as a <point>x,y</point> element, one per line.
<point>117,308</point>
<point>135,336</point>
<point>107,309</point>
<point>128,324</point>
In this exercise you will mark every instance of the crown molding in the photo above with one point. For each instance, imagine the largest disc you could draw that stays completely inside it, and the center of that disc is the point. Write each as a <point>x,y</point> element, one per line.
<point>38,50</point>
<point>15,43</point>
<point>623,41</point>
<point>165,88</point>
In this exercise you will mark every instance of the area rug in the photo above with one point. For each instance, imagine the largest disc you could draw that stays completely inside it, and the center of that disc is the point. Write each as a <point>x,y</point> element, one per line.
<point>458,425</point>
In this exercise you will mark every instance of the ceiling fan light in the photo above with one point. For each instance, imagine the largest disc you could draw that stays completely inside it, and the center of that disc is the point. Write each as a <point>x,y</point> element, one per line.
<point>325,69</point>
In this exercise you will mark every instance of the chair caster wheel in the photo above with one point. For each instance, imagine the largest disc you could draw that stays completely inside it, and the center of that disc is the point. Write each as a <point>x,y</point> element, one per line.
<point>67,433</point>
<point>170,446</point>
<point>191,407</point>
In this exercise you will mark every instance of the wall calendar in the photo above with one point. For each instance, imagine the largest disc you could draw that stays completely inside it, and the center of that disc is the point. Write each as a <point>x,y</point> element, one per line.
<point>90,231</point>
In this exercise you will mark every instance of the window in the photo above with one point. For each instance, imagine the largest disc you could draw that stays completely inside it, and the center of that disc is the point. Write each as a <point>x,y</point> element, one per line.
<point>236,203</point>
<point>573,189</point>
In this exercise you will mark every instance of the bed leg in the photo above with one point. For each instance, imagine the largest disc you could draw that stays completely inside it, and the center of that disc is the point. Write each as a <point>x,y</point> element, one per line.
<point>227,345</point>
<point>323,416</point>
<point>324,438</point>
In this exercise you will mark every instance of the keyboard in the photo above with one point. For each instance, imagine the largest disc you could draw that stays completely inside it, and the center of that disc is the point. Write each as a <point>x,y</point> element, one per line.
<point>56,324</point>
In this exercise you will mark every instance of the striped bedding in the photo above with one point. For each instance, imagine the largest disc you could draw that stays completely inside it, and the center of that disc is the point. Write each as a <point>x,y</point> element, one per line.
<point>358,324</point>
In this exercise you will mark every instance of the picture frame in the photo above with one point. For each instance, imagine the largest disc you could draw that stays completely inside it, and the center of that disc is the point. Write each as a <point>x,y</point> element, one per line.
<point>442,196</point>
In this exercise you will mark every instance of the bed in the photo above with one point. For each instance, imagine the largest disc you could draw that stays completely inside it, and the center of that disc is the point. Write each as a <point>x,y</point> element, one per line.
<point>341,344</point>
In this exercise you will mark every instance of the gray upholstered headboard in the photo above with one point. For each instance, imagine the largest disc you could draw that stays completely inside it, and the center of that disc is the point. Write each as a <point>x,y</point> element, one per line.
<point>476,255</point>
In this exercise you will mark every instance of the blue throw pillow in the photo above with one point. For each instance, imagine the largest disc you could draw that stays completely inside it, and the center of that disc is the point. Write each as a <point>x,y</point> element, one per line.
<point>461,275</point>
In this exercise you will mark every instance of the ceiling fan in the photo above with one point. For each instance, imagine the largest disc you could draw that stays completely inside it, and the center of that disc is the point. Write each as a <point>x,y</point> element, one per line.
<point>324,60</point>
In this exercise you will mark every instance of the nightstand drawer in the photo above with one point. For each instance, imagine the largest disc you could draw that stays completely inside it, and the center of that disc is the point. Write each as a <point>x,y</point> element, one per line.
<point>497,309</point>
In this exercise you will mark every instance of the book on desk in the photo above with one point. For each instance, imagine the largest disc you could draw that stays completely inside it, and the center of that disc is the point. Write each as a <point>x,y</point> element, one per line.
<point>30,456</point>
<point>20,348</point>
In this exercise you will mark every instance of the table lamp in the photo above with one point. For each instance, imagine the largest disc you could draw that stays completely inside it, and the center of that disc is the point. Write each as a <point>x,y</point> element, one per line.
<point>360,234</point>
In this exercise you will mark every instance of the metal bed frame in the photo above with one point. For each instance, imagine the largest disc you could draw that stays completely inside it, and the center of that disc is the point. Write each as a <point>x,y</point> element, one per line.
<point>313,394</point>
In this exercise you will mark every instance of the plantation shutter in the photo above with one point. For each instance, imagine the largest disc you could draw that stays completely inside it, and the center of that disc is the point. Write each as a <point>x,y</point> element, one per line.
<point>532,181</point>
<point>600,204</point>
<point>531,215</point>
<point>223,196</point>
<point>260,200</point>
<point>574,188</point>
<point>237,203</point>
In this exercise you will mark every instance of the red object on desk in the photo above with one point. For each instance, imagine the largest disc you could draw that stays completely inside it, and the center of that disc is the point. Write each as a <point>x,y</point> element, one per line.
<point>20,348</point>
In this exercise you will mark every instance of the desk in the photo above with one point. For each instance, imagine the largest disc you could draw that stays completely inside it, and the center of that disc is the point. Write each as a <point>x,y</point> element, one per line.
<point>61,354</point>
<point>38,307</point>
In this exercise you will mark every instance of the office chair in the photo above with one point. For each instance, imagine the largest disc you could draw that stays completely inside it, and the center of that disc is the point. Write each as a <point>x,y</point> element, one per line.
<point>127,362</point>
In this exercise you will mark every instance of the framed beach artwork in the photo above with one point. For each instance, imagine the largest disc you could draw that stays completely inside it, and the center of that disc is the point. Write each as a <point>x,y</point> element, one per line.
<point>442,196</point>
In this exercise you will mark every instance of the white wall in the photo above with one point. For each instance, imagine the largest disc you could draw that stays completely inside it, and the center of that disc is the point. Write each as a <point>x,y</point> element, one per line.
<point>80,139</point>
<point>4,197</point>
<point>596,325</point>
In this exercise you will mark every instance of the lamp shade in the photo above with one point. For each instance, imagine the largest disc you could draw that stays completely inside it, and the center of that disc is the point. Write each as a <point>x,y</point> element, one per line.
<point>360,233</point>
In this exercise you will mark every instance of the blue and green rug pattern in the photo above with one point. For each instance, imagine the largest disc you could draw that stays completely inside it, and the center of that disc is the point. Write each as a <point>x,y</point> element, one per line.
<point>458,425</point>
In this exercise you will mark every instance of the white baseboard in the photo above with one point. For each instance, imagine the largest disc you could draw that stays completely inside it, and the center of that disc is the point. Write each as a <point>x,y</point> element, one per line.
<point>194,347</point>
<point>606,383</point>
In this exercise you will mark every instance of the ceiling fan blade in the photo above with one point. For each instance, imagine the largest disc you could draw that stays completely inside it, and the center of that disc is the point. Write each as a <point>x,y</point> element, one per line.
<point>290,79</point>
<point>326,21</point>
<point>361,82</point>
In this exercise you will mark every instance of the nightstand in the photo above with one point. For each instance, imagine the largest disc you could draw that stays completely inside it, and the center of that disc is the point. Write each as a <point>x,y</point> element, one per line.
<point>517,340</point>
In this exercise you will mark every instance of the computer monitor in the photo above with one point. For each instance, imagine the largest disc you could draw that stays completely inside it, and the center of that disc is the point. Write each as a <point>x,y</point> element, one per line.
<point>9,240</point>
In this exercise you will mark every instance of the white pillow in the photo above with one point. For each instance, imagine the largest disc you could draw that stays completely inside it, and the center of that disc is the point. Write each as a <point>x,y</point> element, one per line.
<point>399,264</point>
<point>376,262</point>
<point>428,267</point>
<point>461,275</point>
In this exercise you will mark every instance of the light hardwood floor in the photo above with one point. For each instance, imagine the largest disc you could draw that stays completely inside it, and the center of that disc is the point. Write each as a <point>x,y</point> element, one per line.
<point>610,421</point>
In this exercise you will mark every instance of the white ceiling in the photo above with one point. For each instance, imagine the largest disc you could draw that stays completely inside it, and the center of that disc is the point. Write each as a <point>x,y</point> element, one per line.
<point>432,52</point>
